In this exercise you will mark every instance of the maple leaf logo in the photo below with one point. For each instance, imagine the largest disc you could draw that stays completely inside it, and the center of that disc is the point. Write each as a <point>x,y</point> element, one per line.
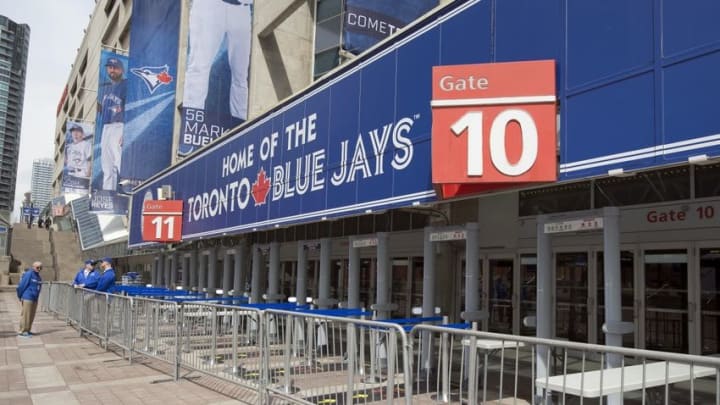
<point>260,188</point>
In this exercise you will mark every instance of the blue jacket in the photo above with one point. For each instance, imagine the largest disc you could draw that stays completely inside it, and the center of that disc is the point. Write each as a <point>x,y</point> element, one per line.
<point>29,287</point>
<point>89,282</point>
<point>106,281</point>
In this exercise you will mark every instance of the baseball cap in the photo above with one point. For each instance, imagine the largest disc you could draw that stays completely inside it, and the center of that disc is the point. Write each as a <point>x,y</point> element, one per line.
<point>114,62</point>
<point>89,261</point>
<point>107,259</point>
<point>76,128</point>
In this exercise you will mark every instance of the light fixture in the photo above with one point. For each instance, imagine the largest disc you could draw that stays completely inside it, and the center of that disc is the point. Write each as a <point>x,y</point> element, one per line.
<point>702,160</point>
<point>619,173</point>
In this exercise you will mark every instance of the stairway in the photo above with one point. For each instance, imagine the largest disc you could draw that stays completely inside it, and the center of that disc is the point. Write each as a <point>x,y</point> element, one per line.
<point>28,246</point>
<point>68,255</point>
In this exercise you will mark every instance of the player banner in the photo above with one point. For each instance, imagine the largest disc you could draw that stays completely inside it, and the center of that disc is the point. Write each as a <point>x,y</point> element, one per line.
<point>215,95</point>
<point>367,22</point>
<point>78,157</point>
<point>149,112</point>
<point>108,144</point>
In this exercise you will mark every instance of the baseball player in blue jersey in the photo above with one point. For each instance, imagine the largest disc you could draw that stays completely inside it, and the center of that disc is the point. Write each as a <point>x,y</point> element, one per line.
<point>111,105</point>
<point>210,22</point>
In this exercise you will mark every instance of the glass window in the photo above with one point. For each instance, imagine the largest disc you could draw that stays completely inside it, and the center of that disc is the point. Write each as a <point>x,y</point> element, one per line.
<point>644,188</point>
<point>707,181</point>
<point>328,8</point>
<point>327,34</point>
<point>324,61</point>
<point>567,197</point>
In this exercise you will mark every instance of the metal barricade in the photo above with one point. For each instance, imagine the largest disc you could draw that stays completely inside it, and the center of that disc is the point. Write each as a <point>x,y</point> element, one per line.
<point>223,341</point>
<point>467,366</point>
<point>316,358</point>
<point>154,329</point>
<point>94,313</point>
<point>119,321</point>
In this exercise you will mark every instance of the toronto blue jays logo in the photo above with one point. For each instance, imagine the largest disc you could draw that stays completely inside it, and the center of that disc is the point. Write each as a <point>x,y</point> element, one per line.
<point>153,76</point>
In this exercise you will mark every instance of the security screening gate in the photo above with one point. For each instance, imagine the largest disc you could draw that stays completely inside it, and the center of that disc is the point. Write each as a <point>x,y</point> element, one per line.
<point>614,327</point>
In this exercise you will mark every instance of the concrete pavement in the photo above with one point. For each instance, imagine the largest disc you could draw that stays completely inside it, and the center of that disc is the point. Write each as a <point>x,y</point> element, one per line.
<point>58,367</point>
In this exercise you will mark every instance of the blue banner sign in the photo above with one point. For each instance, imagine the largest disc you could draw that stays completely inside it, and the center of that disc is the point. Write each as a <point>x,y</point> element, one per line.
<point>215,95</point>
<point>109,130</point>
<point>78,157</point>
<point>355,144</point>
<point>151,80</point>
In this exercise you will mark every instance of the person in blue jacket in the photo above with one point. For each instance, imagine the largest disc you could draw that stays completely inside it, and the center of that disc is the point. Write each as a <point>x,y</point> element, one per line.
<point>107,279</point>
<point>28,292</point>
<point>87,277</point>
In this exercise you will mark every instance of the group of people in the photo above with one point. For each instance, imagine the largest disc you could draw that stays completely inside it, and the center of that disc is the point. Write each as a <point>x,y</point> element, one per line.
<point>28,289</point>
<point>45,223</point>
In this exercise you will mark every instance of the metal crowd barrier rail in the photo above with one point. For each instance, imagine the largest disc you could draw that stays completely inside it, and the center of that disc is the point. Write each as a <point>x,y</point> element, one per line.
<point>467,366</point>
<point>328,356</point>
<point>301,356</point>
<point>223,341</point>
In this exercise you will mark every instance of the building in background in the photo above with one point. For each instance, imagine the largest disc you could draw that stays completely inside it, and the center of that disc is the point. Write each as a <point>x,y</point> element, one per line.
<point>14,43</point>
<point>41,182</point>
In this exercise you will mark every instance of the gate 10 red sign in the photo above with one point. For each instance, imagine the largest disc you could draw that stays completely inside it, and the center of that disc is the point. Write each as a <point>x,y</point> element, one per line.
<point>162,221</point>
<point>494,124</point>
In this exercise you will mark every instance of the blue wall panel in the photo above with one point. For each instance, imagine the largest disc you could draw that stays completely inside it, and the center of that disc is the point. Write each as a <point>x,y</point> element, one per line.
<point>610,119</point>
<point>460,45</point>
<point>689,24</point>
<point>690,99</point>
<point>607,38</point>
<point>528,30</point>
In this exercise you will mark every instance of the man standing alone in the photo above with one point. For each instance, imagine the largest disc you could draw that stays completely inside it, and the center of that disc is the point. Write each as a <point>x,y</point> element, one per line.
<point>28,292</point>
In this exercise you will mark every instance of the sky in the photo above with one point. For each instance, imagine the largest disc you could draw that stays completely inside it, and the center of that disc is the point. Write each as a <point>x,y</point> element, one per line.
<point>56,31</point>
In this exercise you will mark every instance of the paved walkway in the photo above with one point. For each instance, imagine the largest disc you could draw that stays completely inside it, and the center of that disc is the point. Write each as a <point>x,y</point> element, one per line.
<point>58,367</point>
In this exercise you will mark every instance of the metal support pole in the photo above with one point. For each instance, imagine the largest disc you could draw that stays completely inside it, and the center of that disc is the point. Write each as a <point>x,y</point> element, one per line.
<point>428,303</point>
<point>353,276</point>
<point>193,282</point>
<point>173,269</point>
<point>154,272</point>
<point>227,272</point>
<point>301,287</point>
<point>240,265</point>
<point>257,261</point>
<point>167,278</point>
<point>472,268</point>
<point>613,288</point>
<point>274,273</point>
<point>212,271</point>
<point>202,271</point>
<point>383,275</point>
<point>161,270</point>
<point>544,316</point>
<point>324,278</point>
<point>185,272</point>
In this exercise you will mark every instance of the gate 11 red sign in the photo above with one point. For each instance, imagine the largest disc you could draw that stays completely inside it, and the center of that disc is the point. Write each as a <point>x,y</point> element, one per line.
<point>494,125</point>
<point>162,221</point>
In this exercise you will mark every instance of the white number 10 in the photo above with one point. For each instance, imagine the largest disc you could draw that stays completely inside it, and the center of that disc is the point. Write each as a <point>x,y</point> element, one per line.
<point>158,222</point>
<point>473,122</point>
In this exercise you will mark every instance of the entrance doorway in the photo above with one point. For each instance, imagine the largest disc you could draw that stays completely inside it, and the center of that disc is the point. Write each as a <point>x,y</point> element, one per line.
<point>710,300</point>
<point>501,295</point>
<point>666,300</point>
<point>571,296</point>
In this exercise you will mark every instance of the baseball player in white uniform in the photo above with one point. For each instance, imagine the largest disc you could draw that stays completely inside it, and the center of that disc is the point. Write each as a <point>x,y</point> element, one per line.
<point>78,154</point>
<point>210,22</point>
